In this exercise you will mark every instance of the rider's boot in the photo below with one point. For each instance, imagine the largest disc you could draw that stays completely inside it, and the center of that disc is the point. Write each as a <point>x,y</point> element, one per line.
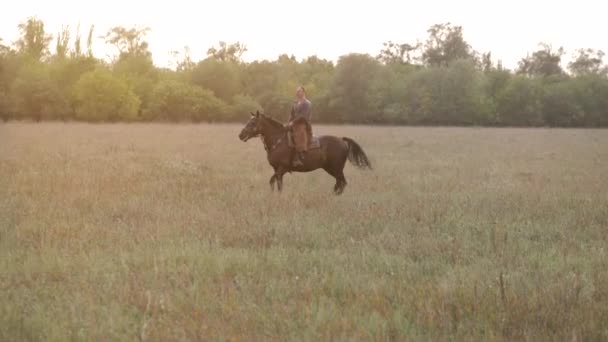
<point>298,160</point>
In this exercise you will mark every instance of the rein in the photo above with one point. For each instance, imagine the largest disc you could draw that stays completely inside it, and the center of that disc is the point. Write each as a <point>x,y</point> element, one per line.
<point>270,139</point>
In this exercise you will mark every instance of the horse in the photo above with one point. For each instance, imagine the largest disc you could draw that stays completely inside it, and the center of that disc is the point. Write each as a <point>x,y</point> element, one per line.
<point>330,154</point>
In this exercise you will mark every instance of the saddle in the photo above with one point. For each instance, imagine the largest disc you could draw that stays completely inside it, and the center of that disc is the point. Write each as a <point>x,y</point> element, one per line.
<point>313,142</point>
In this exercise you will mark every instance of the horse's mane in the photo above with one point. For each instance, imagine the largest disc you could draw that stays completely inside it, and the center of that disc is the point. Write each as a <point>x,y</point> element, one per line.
<point>273,122</point>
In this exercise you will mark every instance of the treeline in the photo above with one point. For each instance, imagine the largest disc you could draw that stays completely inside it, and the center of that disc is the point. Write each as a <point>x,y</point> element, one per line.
<point>439,81</point>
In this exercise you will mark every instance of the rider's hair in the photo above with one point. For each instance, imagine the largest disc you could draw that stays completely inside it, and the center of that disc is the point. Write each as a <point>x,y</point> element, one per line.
<point>304,90</point>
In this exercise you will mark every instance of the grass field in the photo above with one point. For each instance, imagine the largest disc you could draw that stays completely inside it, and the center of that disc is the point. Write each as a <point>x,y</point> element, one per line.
<point>170,232</point>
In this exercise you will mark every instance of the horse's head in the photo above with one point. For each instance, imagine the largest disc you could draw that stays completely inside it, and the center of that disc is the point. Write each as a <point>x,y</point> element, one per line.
<point>253,128</point>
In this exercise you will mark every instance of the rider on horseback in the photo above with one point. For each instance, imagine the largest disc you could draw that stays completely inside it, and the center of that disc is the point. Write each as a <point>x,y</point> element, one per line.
<point>299,125</point>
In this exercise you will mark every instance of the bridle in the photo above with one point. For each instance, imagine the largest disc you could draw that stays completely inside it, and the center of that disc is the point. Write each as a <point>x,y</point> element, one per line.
<point>274,144</point>
<point>270,141</point>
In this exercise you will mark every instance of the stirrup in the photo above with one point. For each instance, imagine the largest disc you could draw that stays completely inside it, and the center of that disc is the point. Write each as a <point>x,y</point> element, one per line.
<point>297,161</point>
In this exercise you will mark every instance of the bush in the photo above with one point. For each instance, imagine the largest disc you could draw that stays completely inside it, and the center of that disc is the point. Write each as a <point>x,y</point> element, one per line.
<point>175,101</point>
<point>450,95</point>
<point>559,104</point>
<point>221,77</point>
<point>519,103</point>
<point>351,92</point>
<point>241,106</point>
<point>4,106</point>
<point>591,93</point>
<point>33,95</point>
<point>100,96</point>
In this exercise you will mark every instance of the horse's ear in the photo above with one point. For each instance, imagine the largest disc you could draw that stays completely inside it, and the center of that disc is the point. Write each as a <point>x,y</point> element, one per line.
<point>251,113</point>
<point>257,113</point>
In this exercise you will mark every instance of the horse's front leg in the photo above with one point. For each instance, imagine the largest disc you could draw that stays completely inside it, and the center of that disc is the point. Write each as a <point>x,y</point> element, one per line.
<point>273,179</point>
<point>279,178</point>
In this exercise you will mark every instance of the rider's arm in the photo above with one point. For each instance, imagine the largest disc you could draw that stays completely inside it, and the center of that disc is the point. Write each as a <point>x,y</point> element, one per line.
<point>304,110</point>
<point>301,110</point>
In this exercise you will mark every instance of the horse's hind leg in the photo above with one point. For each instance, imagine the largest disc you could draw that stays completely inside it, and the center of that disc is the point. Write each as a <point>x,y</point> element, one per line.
<point>280,182</point>
<point>340,183</point>
<point>340,179</point>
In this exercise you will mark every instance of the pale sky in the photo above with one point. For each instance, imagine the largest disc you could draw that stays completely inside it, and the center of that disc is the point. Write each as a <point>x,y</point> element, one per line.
<point>326,28</point>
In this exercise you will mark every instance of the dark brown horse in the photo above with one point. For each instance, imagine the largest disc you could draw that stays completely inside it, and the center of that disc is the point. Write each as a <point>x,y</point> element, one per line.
<point>330,155</point>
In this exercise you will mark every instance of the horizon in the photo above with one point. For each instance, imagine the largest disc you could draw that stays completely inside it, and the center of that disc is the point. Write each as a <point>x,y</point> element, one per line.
<point>173,28</point>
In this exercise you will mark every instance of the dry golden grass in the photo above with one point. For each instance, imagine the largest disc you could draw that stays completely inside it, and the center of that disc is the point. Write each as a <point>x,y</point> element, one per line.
<point>170,232</point>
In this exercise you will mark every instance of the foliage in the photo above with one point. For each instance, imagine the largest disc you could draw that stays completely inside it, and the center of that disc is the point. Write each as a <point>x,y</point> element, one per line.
<point>101,96</point>
<point>445,45</point>
<point>34,95</point>
<point>350,90</point>
<point>179,101</point>
<point>128,41</point>
<point>221,77</point>
<point>519,103</point>
<point>587,61</point>
<point>543,62</point>
<point>440,80</point>
<point>33,41</point>
<point>227,52</point>
<point>398,53</point>
<point>241,106</point>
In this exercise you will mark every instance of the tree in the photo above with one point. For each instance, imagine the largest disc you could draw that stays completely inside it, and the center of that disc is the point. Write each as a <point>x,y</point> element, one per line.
<point>587,61</point>
<point>34,42</point>
<point>63,40</point>
<point>350,94</point>
<point>225,52</point>
<point>134,62</point>
<point>259,78</point>
<point>140,74</point>
<point>175,101</point>
<point>34,95</point>
<point>77,50</point>
<point>494,82</point>
<point>90,42</point>
<point>3,48</point>
<point>445,44</point>
<point>486,62</point>
<point>543,62</point>
<point>101,96</point>
<point>67,71</point>
<point>591,91</point>
<point>6,79</point>
<point>128,41</point>
<point>316,76</point>
<point>10,64</point>
<point>183,61</point>
<point>519,103</point>
<point>440,81</point>
<point>220,77</point>
<point>559,104</point>
<point>446,96</point>
<point>398,53</point>
<point>4,106</point>
<point>263,81</point>
<point>389,89</point>
<point>241,106</point>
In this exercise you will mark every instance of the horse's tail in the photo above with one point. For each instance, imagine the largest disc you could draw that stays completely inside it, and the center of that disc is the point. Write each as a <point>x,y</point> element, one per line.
<point>356,155</point>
